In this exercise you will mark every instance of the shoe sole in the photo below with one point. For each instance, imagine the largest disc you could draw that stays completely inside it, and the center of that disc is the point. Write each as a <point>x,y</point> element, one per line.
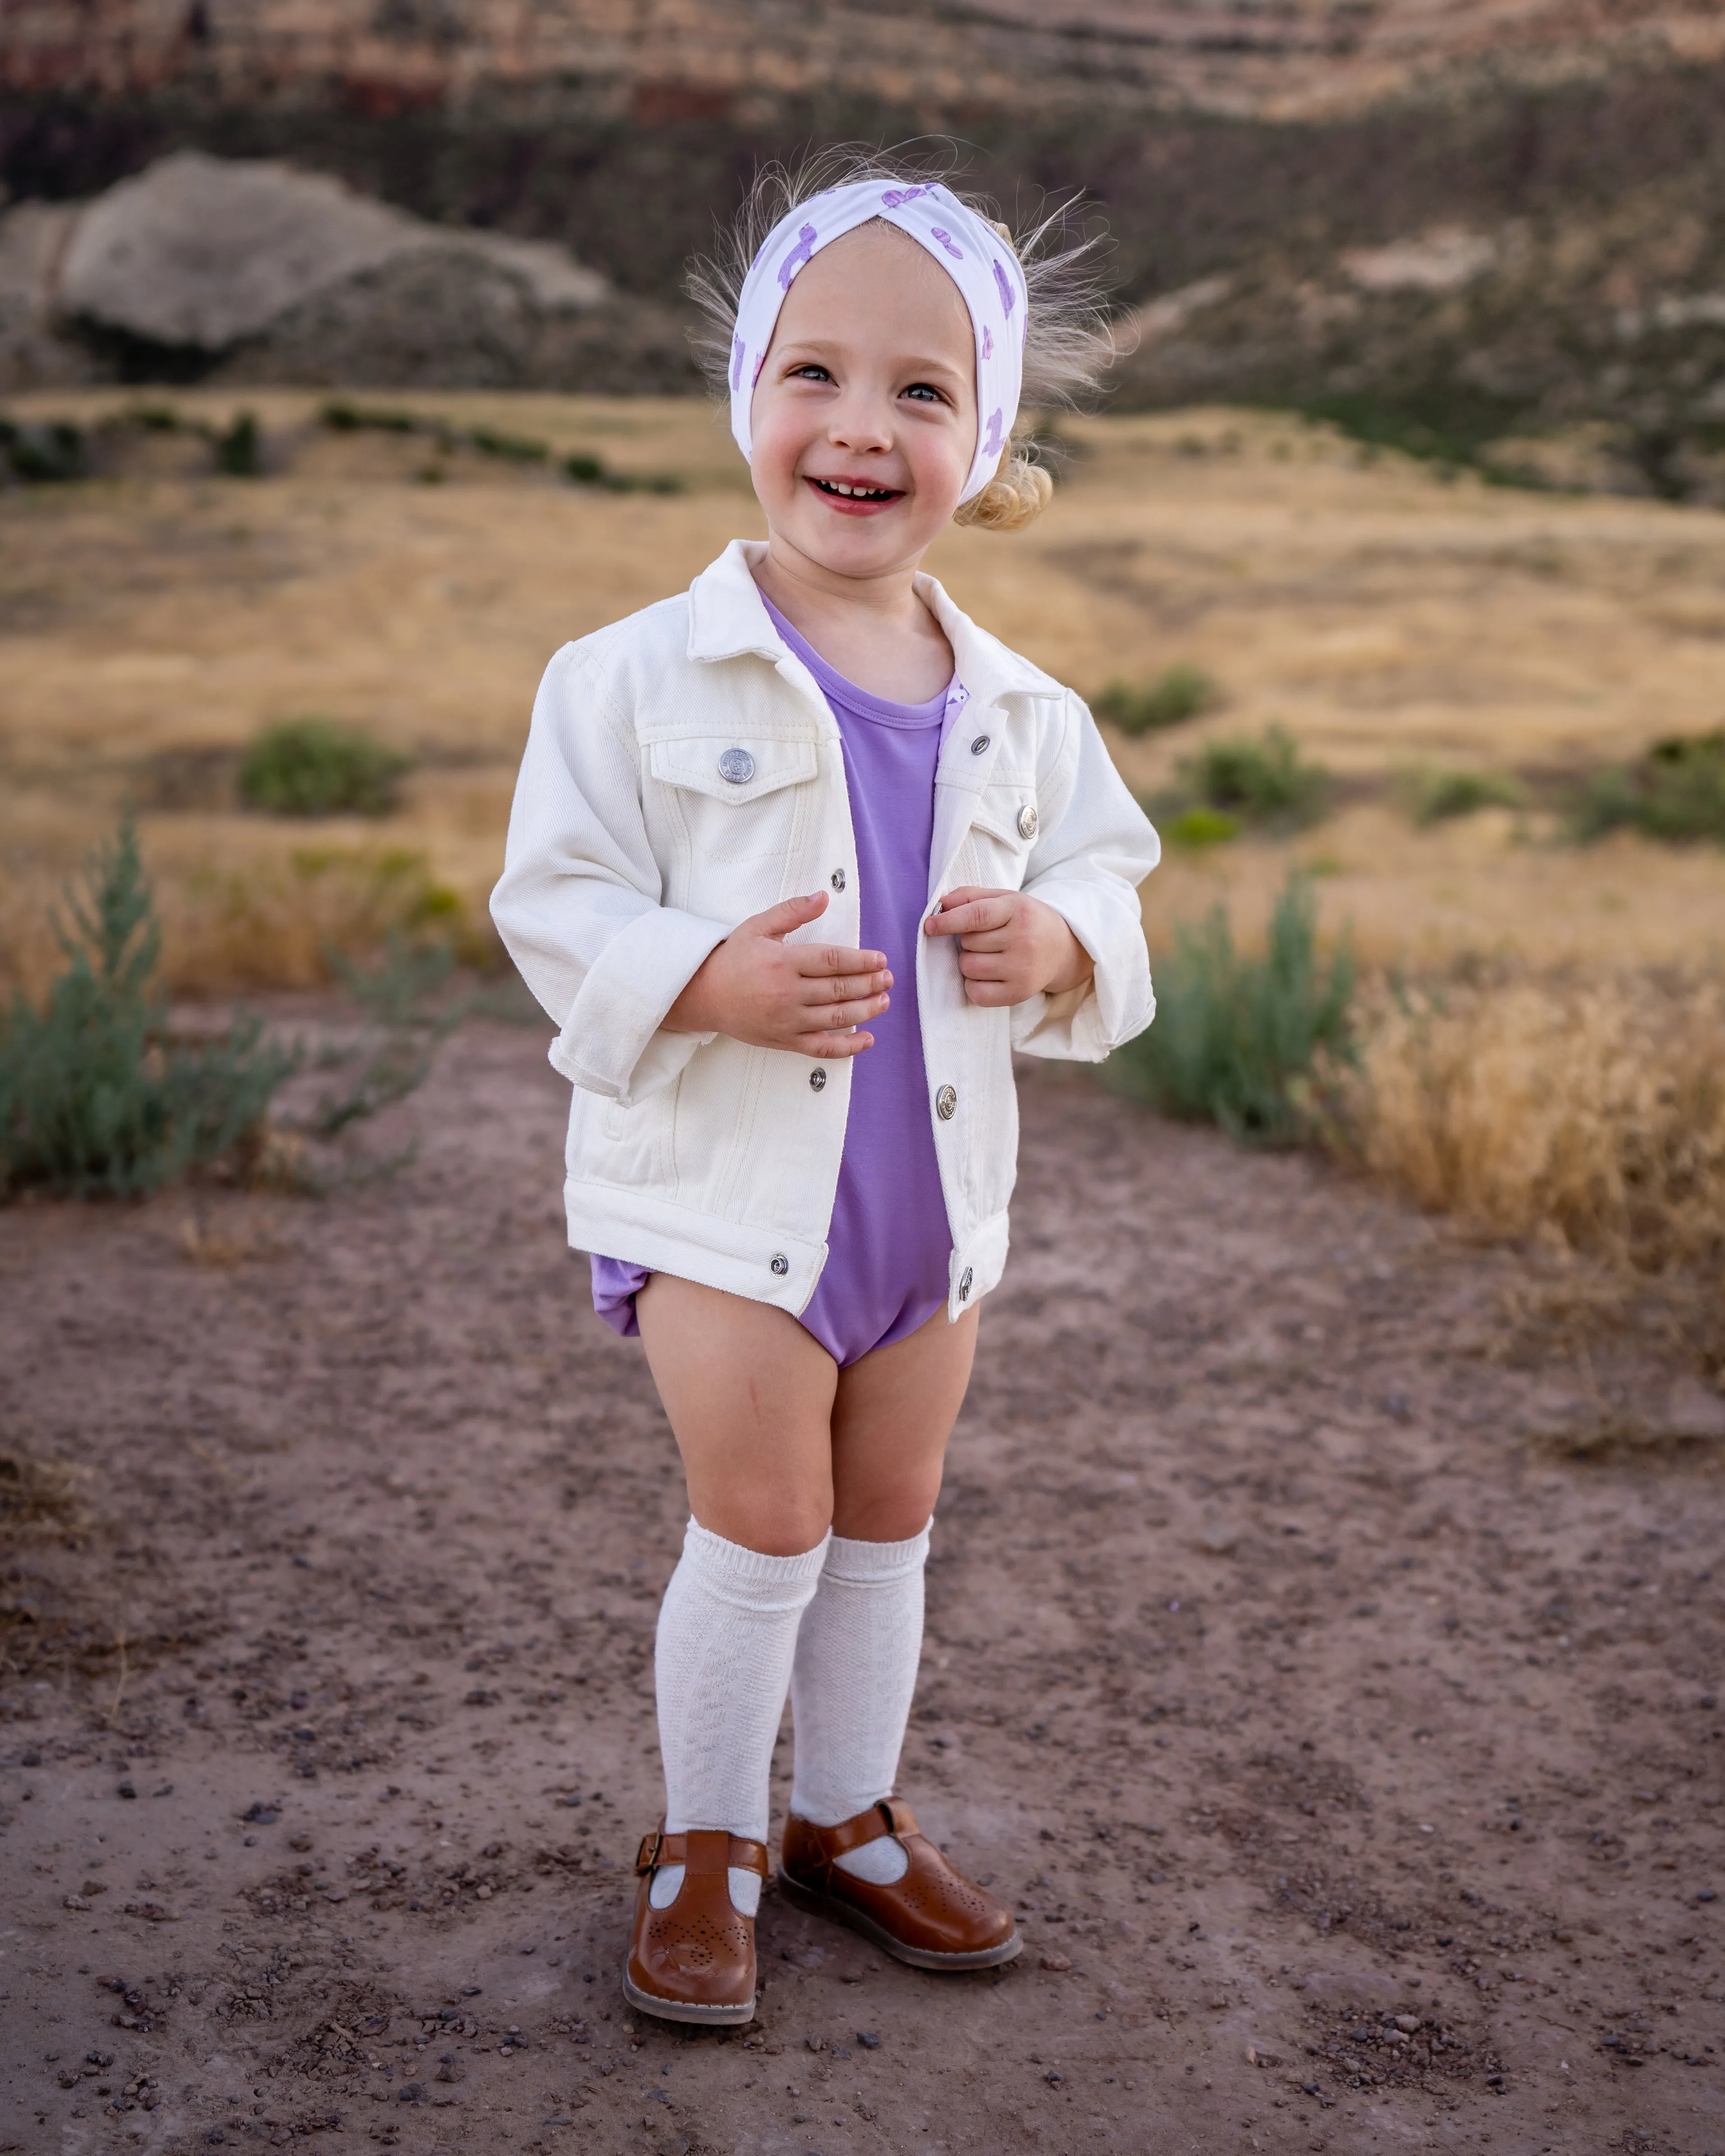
<point>841,1912</point>
<point>677,2010</point>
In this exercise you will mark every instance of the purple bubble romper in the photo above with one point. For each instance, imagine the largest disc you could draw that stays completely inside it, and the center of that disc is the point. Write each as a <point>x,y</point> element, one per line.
<point>889,1244</point>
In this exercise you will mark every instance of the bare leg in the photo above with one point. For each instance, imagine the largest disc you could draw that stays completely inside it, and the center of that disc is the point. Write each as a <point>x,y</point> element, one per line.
<point>779,1444</point>
<point>894,1413</point>
<point>749,1396</point>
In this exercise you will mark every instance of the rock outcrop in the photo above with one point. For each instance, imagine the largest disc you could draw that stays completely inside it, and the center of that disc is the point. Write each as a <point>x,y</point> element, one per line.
<point>246,269</point>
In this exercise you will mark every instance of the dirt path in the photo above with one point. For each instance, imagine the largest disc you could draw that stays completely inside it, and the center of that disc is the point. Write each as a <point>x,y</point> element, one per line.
<point>1309,1715</point>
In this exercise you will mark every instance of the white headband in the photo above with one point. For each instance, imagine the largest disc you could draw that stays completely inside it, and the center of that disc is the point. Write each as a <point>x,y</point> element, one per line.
<point>973,255</point>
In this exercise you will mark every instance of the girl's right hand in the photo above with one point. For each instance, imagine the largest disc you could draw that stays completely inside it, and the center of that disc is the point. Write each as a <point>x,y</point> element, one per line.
<point>809,998</point>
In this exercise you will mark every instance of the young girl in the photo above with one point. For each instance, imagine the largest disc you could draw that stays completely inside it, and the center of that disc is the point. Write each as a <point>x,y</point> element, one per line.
<point>797,861</point>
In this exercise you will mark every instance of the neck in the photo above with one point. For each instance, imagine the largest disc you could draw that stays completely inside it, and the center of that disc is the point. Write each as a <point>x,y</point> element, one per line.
<point>874,630</point>
<point>805,592</point>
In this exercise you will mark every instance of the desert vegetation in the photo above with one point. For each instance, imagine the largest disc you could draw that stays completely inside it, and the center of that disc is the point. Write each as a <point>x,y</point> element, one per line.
<point>1476,725</point>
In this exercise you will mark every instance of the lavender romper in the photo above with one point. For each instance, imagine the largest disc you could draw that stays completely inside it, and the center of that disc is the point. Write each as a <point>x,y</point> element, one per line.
<point>889,1244</point>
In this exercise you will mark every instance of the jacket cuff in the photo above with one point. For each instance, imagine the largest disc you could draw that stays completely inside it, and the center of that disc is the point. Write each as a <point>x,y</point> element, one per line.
<point>611,1043</point>
<point>1087,1024</point>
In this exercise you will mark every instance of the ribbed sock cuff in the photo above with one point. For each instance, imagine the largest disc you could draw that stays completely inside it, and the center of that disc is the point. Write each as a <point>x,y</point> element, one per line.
<point>751,1580</point>
<point>871,1562</point>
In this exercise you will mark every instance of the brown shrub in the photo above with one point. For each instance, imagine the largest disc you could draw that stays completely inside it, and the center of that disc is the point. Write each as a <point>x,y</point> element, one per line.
<point>276,923</point>
<point>1593,1113</point>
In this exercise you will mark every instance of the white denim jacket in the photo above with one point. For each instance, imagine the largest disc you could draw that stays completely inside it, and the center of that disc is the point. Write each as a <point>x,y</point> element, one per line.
<point>639,839</point>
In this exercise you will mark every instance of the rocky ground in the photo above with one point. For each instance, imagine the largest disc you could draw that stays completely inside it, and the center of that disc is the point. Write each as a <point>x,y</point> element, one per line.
<point>1352,1752</point>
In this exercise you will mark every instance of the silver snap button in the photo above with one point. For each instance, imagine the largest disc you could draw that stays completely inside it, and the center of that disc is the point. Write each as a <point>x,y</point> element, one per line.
<point>945,1103</point>
<point>964,1284</point>
<point>979,746</point>
<point>837,879</point>
<point>780,1265</point>
<point>1027,820</point>
<point>817,1079</point>
<point>738,766</point>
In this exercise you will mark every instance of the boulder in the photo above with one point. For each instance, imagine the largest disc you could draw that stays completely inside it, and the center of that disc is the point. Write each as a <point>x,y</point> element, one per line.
<point>245,271</point>
<point>208,253</point>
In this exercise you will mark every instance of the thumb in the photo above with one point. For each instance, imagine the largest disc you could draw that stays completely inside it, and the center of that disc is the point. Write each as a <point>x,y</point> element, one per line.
<point>788,914</point>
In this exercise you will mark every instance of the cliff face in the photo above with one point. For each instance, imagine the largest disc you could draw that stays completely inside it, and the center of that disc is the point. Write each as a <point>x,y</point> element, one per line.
<point>1489,215</point>
<point>748,60</point>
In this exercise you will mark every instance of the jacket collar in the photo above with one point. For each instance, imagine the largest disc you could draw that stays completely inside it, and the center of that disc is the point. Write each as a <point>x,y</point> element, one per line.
<point>727,619</point>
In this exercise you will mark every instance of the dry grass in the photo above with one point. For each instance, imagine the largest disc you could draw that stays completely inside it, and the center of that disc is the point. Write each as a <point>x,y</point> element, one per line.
<point>1588,1112</point>
<point>151,626</point>
<point>1388,617</point>
<point>38,1498</point>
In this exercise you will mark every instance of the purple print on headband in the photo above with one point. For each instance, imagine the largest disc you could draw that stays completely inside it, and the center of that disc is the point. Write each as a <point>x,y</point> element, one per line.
<point>1004,284</point>
<point>738,352</point>
<point>987,341</point>
<point>945,241</point>
<point>896,198</point>
<point>801,252</point>
<point>756,376</point>
<point>991,447</point>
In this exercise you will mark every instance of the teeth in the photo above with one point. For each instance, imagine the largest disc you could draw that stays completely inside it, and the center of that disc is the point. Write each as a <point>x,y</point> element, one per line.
<point>855,493</point>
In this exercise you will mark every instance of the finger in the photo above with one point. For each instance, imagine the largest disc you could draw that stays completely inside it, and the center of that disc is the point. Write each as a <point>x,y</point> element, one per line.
<point>987,939</point>
<point>833,1047</point>
<point>990,995</point>
<point>788,914</point>
<point>818,989</point>
<point>839,1018</point>
<point>992,910</point>
<point>818,958</point>
<point>983,966</point>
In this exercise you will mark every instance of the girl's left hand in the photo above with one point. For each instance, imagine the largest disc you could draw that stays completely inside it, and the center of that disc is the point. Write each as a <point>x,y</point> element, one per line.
<point>1011,946</point>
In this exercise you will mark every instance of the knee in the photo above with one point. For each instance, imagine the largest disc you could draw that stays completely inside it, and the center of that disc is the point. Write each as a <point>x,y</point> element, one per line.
<point>783,1528</point>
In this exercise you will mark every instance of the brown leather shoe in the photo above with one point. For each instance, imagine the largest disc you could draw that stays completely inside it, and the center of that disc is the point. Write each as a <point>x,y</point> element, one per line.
<point>696,1960</point>
<point>934,1918</point>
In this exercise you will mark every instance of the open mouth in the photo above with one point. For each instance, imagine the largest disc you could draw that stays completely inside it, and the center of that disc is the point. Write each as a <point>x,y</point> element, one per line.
<point>855,494</point>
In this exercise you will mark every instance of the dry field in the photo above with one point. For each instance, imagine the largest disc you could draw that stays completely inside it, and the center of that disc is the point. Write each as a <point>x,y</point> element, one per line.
<point>150,625</point>
<point>1350,1748</point>
<point>1325,1623</point>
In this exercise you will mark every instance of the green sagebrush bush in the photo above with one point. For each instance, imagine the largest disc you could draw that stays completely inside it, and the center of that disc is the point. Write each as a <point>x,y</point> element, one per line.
<point>1263,781</point>
<point>1676,793</point>
<point>1431,794</point>
<point>1184,692</point>
<point>95,1098</point>
<point>311,766</point>
<point>1235,1038</point>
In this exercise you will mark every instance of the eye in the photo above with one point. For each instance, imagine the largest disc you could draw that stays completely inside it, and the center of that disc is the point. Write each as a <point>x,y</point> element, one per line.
<point>812,371</point>
<point>924,394</point>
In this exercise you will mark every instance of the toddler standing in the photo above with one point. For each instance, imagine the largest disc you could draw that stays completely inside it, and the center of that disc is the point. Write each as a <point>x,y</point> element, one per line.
<point>796,860</point>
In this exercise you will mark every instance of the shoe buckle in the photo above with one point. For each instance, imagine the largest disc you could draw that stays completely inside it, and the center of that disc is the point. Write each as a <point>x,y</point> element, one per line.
<point>647,1856</point>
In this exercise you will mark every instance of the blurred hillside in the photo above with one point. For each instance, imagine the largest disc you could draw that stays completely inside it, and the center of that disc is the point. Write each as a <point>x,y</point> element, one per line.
<point>1454,225</point>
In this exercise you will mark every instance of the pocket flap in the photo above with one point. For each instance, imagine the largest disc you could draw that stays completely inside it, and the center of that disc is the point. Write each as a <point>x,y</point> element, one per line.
<point>727,768</point>
<point>997,811</point>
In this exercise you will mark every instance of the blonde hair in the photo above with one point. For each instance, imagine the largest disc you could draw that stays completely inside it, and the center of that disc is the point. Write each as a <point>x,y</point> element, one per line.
<point>1065,348</point>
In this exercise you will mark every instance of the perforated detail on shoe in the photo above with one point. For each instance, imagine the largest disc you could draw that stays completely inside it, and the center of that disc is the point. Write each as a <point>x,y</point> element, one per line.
<point>695,1944</point>
<point>934,1889</point>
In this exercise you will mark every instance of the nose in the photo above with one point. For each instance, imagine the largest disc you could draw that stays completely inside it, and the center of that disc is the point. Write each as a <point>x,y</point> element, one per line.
<point>860,421</point>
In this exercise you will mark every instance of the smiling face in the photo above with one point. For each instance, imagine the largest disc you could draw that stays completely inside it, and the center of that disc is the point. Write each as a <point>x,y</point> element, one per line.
<point>864,421</point>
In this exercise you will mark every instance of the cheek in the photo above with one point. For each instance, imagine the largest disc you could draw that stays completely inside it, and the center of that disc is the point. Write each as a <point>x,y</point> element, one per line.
<point>777,440</point>
<point>942,460</point>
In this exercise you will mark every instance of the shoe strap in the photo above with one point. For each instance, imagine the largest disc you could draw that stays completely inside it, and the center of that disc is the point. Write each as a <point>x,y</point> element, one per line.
<point>892,1816</point>
<point>697,1850</point>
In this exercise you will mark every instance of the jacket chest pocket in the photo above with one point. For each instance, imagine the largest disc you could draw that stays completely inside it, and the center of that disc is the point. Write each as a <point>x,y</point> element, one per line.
<point>740,800</point>
<point>1003,829</point>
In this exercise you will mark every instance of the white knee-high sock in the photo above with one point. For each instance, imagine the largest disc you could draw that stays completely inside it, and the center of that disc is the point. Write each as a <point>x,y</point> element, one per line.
<point>728,1635</point>
<point>851,1688</point>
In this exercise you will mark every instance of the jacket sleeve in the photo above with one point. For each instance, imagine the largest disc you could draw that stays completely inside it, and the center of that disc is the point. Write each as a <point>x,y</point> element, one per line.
<point>1094,847</point>
<point>578,903</point>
